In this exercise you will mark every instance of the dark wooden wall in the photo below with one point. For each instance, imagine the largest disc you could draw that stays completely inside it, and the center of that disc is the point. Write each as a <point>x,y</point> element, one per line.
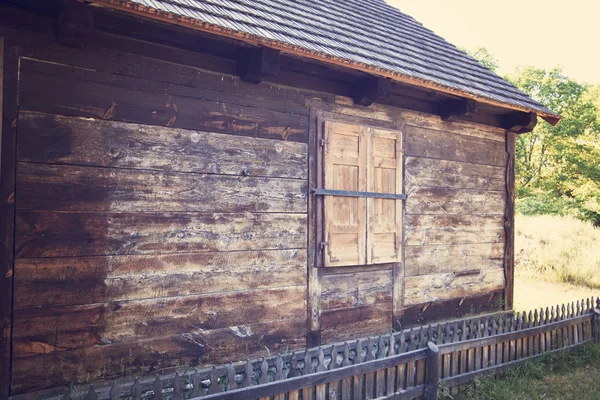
<point>160,213</point>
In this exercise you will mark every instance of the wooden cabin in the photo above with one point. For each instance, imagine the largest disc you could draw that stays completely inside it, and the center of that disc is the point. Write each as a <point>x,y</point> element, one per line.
<point>188,182</point>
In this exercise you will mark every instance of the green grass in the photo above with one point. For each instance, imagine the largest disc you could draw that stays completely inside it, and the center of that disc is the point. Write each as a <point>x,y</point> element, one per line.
<point>558,249</point>
<point>561,376</point>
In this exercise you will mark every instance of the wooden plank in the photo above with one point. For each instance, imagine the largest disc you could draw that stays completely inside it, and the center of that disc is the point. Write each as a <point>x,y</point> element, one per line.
<point>74,188</point>
<point>424,288</point>
<point>151,356</point>
<point>428,260</point>
<point>384,216</point>
<point>422,230</point>
<point>60,234</point>
<point>78,98</point>
<point>315,231</point>
<point>509,220</point>
<point>429,172</point>
<point>8,112</point>
<point>45,282</point>
<point>348,323</point>
<point>345,168</point>
<point>454,201</point>
<point>159,68</point>
<point>431,312</point>
<point>353,290</point>
<point>424,142</point>
<point>49,138</point>
<point>429,121</point>
<point>46,330</point>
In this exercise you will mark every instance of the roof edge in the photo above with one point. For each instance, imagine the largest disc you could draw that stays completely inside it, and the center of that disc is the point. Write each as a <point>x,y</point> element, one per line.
<point>176,19</point>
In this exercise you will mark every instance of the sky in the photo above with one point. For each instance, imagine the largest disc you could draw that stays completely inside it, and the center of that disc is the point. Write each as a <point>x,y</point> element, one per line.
<point>541,33</point>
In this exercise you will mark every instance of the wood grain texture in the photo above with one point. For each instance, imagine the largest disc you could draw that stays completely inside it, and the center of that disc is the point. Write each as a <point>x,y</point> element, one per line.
<point>509,220</point>
<point>431,312</point>
<point>422,230</point>
<point>442,286</point>
<point>350,323</point>
<point>80,98</point>
<point>421,120</point>
<point>8,111</point>
<point>145,357</point>
<point>424,142</point>
<point>425,260</point>
<point>65,234</point>
<point>356,289</point>
<point>428,172</point>
<point>46,282</point>
<point>454,201</point>
<point>53,329</point>
<point>48,138</point>
<point>74,188</point>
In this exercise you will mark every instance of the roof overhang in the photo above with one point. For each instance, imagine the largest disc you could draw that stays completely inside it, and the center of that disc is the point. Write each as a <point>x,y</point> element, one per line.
<point>176,19</point>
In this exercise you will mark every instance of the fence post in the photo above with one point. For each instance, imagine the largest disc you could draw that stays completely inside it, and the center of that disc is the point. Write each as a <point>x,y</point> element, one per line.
<point>434,364</point>
<point>597,325</point>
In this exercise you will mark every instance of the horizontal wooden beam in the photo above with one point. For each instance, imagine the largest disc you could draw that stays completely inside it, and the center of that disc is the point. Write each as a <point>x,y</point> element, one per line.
<point>519,122</point>
<point>370,90</point>
<point>451,110</point>
<point>257,64</point>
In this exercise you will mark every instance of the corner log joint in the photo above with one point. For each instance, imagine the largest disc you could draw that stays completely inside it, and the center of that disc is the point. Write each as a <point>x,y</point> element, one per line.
<point>75,24</point>
<point>367,91</point>
<point>451,110</point>
<point>520,122</point>
<point>258,64</point>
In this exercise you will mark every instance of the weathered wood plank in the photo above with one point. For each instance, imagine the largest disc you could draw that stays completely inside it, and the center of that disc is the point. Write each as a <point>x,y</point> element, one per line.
<point>349,323</point>
<point>509,220</point>
<point>72,97</point>
<point>454,201</point>
<point>353,290</point>
<point>49,138</point>
<point>424,142</point>
<point>421,230</point>
<point>429,172</point>
<point>421,120</point>
<point>442,286</point>
<point>46,330</point>
<point>45,282</point>
<point>425,260</point>
<point>64,234</point>
<point>9,76</point>
<point>151,356</point>
<point>74,188</point>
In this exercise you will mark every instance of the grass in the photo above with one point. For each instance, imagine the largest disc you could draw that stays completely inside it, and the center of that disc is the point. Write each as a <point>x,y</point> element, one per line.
<point>557,249</point>
<point>564,375</point>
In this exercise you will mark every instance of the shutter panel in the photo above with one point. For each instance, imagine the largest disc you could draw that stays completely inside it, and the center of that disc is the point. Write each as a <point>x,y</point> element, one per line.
<point>384,166</point>
<point>345,217</point>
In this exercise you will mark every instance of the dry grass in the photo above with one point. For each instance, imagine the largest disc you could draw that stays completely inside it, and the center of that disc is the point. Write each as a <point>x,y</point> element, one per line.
<point>557,249</point>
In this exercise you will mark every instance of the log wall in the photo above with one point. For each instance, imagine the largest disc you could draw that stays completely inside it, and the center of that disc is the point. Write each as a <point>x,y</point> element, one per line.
<point>162,215</point>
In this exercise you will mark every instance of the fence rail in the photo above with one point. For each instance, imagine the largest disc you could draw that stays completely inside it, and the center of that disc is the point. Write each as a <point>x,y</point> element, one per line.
<point>403,365</point>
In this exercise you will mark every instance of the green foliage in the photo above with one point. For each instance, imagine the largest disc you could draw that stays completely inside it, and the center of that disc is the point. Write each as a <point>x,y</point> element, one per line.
<point>484,57</point>
<point>557,167</point>
<point>562,375</point>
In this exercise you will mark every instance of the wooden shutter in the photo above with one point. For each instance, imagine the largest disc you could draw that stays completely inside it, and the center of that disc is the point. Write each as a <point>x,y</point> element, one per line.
<point>345,217</point>
<point>384,175</point>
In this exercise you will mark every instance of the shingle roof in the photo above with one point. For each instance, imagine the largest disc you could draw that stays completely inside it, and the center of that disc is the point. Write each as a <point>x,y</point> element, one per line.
<point>364,34</point>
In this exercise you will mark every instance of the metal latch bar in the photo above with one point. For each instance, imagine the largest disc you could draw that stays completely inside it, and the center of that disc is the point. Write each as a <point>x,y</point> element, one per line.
<point>348,193</point>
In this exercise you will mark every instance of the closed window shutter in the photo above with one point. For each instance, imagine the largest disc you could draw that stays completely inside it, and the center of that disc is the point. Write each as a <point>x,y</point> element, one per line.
<point>384,175</point>
<point>345,158</point>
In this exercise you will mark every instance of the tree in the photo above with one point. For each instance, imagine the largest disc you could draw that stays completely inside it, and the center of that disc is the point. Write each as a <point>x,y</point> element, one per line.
<point>557,166</point>
<point>484,57</point>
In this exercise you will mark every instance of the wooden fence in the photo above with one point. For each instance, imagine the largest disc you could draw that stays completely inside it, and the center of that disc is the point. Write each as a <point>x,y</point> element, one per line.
<point>411,364</point>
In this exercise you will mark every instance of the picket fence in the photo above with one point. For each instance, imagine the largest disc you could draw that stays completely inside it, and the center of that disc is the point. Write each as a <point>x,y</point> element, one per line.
<point>414,363</point>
